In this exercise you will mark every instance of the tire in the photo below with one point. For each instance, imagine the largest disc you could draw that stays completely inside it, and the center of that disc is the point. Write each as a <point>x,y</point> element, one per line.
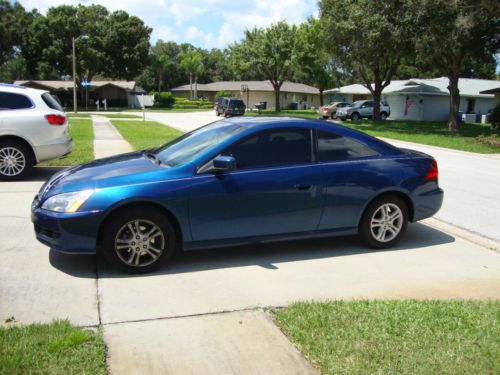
<point>325,117</point>
<point>217,113</point>
<point>372,227</point>
<point>333,116</point>
<point>383,116</point>
<point>16,160</point>
<point>355,116</point>
<point>120,232</point>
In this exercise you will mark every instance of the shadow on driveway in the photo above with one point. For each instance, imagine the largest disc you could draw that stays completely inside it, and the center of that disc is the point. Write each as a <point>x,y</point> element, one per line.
<point>264,255</point>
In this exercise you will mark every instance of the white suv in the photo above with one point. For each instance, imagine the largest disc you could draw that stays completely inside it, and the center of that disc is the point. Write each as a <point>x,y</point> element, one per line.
<point>33,128</point>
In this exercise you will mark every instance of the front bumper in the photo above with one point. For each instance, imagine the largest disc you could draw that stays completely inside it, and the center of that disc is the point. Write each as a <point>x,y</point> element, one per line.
<point>74,233</point>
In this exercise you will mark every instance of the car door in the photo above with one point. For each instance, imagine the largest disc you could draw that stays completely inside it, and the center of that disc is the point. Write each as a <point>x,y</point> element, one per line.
<point>367,109</point>
<point>353,172</point>
<point>275,189</point>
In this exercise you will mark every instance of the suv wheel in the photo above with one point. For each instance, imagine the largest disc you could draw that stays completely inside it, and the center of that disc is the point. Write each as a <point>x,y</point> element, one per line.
<point>355,116</point>
<point>139,241</point>
<point>383,116</point>
<point>16,160</point>
<point>384,222</point>
<point>217,113</point>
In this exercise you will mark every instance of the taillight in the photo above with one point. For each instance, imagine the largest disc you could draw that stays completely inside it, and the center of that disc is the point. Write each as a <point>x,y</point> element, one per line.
<point>56,119</point>
<point>433,172</point>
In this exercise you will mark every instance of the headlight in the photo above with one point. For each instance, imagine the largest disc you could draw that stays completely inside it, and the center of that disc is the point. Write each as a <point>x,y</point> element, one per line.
<point>67,202</point>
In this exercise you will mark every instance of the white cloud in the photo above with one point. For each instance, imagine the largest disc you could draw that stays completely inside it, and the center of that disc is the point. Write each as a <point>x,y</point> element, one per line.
<point>180,20</point>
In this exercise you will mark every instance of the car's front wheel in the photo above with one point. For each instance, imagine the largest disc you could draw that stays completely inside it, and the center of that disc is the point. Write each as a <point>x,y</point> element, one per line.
<point>16,160</point>
<point>384,222</point>
<point>355,116</point>
<point>138,241</point>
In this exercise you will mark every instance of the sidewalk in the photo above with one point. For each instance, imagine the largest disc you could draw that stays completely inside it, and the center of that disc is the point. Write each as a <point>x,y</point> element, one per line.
<point>107,140</point>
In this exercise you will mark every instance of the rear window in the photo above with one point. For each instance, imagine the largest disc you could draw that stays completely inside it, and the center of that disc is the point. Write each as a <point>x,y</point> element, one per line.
<point>237,102</point>
<point>334,147</point>
<point>10,101</point>
<point>52,102</point>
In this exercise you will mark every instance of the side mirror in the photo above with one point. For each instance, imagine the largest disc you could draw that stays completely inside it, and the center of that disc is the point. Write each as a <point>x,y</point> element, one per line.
<point>223,164</point>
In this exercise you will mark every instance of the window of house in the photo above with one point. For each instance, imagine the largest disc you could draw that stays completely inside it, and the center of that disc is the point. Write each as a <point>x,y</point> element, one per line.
<point>334,147</point>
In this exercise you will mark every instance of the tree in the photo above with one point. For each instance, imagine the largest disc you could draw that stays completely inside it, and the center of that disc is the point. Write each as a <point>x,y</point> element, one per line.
<point>458,35</point>
<point>314,65</point>
<point>370,38</point>
<point>269,52</point>
<point>191,62</point>
<point>117,46</point>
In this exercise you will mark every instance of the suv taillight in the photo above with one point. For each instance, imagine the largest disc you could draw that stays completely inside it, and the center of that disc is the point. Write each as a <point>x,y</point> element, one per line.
<point>56,119</point>
<point>433,172</point>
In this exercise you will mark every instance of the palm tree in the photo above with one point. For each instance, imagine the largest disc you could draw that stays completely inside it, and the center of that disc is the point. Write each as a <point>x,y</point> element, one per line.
<point>191,62</point>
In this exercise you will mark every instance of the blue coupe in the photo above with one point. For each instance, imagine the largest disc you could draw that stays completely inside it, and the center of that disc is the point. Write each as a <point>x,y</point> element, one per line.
<point>237,181</point>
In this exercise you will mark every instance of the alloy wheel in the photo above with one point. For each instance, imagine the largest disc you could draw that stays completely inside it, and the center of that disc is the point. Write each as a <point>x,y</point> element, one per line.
<point>139,243</point>
<point>386,222</point>
<point>12,161</point>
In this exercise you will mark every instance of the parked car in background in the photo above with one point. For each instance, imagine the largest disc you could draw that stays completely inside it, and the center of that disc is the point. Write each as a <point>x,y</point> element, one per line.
<point>33,129</point>
<point>217,102</point>
<point>237,181</point>
<point>230,107</point>
<point>330,110</point>
<point>363,109</point>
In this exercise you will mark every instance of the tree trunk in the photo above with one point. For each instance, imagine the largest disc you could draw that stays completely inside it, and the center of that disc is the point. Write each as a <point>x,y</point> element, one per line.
<point>321,100</point>
<point>190,87</point>
<point>196,87</point>
<point>377,94</point>
<point>453,125</point>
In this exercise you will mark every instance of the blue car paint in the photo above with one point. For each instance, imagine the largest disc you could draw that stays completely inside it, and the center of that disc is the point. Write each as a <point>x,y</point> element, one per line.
<point>239,207</point>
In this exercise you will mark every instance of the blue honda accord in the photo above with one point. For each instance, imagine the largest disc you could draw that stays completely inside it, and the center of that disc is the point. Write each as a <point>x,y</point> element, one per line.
<point>237,181</point>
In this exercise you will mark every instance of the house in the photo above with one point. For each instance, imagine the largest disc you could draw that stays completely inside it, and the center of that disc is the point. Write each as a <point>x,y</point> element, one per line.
<point>116,93</point>
<point>252,92</point>
<point>495,92</point>
<point>424,99</point>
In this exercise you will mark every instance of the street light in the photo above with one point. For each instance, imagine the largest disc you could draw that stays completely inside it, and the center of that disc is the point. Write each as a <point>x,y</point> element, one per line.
<point>74,69</point>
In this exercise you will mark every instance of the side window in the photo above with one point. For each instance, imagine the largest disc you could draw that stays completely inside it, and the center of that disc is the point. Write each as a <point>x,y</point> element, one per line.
<point>52,102</point>
<point>333,147</point>
<point>14,101</point>
<point>369,104</point>
<point>273,147</point>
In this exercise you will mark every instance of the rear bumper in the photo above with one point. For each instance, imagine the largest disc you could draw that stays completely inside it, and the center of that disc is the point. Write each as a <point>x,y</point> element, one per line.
<point>58,149</point>
<point>427,204</point>
<point>74,233</point>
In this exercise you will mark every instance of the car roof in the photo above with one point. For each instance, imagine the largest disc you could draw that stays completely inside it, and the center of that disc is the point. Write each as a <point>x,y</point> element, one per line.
<point>18,89</point>
<point>268,122</point>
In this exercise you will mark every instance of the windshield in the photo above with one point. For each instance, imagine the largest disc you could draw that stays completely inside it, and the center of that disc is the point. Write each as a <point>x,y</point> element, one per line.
<point>189,146</point>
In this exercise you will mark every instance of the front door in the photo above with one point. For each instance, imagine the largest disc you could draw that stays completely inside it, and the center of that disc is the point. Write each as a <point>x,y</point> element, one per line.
<point>275,189</point>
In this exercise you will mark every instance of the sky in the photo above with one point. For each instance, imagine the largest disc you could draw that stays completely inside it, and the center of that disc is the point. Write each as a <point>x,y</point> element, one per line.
<point>203,23</point>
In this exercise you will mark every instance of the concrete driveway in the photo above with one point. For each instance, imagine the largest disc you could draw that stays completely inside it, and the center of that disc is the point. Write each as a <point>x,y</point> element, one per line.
<point>205,312</point>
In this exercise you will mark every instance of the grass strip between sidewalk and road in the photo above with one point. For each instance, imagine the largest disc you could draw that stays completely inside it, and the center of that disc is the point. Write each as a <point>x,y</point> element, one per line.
<point>471,137</point>
<point>107,115</point>
<point>56,348</point>
<point>83,144</point>
<point>396,337</point>
<point>145,134</point>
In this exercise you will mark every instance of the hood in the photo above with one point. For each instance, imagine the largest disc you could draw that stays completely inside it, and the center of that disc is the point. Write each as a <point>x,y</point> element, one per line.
<point>131,168</point>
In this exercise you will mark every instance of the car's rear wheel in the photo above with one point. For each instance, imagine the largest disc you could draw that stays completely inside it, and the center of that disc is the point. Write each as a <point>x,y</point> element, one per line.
<point>383,116</point>
<point>217,113</point>
<point>384,222</point>
<point>16,160</point>
<point>138,241</point>
<point>355,116</point>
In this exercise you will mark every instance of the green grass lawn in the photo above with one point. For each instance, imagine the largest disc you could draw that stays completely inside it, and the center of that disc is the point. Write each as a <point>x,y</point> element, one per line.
<point>56,348</point>
<point>425,132</point>
<point>397,337</point>
<point>170,110</point>
<point>108,115</point>
<point>83,144</point>
<point>78,114</point>
<point>145,134</point>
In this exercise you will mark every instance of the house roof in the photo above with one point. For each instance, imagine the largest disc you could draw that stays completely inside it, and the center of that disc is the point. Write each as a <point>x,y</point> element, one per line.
<point>468,87</point>
<point>252,86</point>
<point>54,85</point>
<point>492,91</point>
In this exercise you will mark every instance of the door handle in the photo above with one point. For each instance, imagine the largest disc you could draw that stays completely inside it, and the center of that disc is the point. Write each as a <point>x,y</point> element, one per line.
<point>302,187</point>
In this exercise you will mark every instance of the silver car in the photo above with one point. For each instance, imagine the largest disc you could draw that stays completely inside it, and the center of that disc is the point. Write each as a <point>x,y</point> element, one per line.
<point>33,129</point>
<point>363,109</point>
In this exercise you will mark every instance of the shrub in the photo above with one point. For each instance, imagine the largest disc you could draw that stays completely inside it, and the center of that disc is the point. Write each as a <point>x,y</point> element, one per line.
<point>192,106</point>
<point>221,94</point>
<point>495,117</point>
<point>163,100</point>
